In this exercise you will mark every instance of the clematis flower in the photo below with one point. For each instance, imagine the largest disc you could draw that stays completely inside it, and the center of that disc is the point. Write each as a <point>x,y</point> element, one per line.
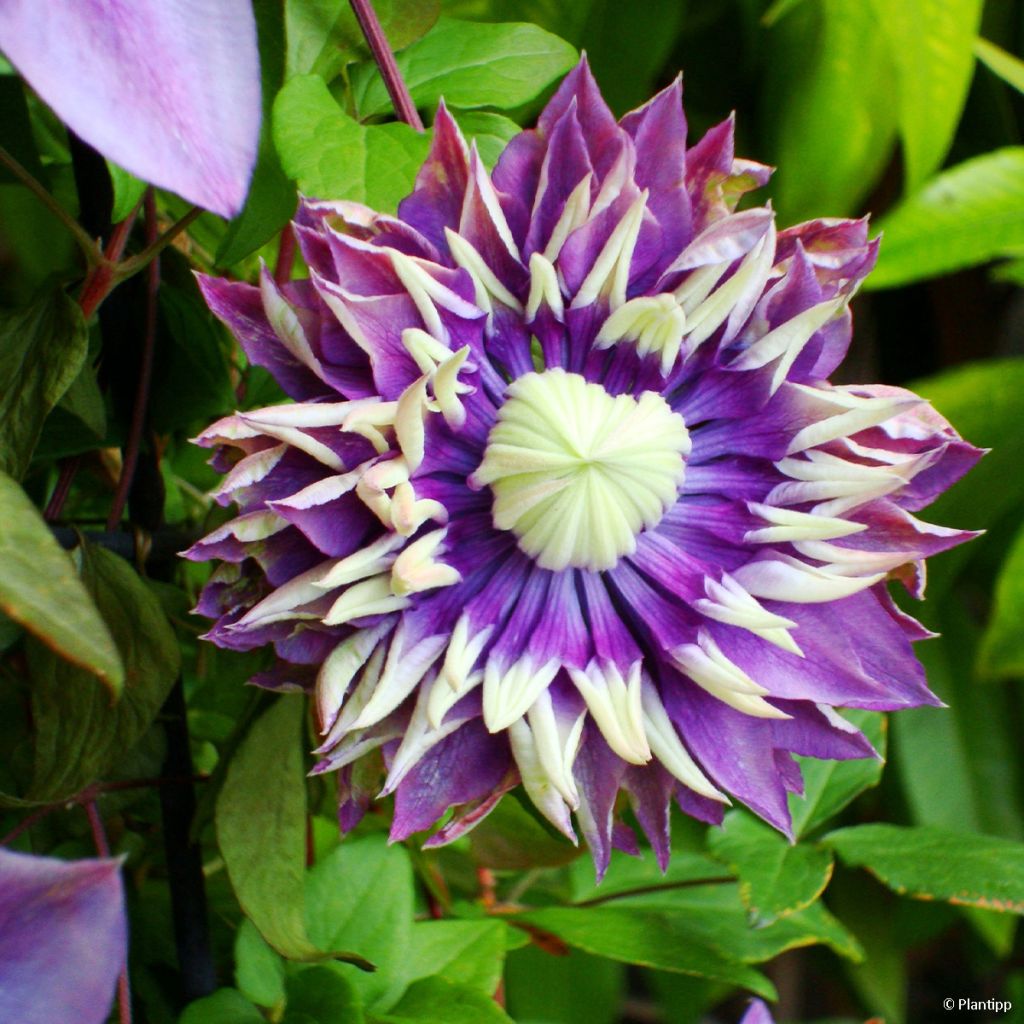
<point>564,495</point>
<point>169,90</point>
<point>757,1013</point>
<point>63,938</point>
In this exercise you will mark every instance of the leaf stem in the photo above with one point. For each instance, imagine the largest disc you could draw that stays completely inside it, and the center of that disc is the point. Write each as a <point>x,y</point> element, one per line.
<point>89,248</point>
<point>127,268</point>
<point>385,58</point>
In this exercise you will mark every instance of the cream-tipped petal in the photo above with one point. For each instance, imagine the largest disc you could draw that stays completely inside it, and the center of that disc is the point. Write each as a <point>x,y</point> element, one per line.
<point>536,781</point>
<point>615,705</point>
<point>510,690</point>
<point>668,748</point>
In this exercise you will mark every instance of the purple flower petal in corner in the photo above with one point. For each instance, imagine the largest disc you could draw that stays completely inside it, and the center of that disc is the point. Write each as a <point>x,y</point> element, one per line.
<point>757,1013</point>
<point>169,89</point>
<point>63,938</point>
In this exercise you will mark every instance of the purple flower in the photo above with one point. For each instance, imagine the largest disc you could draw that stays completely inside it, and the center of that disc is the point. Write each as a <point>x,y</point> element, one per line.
<point>63,938</point>
<point>564,495</point>
<point>170,90</point>
<point>757,1013</point>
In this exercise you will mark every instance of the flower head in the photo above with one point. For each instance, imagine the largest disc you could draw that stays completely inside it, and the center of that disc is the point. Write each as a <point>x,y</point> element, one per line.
<point>564,495</point>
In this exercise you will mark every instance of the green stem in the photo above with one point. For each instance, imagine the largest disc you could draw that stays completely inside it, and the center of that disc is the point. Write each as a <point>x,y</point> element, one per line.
<point>127,268</point>
<point>89,248</point>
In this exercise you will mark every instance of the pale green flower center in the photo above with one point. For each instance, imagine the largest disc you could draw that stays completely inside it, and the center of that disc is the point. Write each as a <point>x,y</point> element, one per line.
<point>577,473</point>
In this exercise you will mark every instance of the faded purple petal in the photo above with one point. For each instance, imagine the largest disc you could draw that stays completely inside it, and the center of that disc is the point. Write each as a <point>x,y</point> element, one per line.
<point>63,938</point>
<point>169,90</point>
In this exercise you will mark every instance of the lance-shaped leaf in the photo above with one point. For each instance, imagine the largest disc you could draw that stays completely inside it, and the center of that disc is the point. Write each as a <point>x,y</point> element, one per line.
<point>79,735</point>
<point>42,349</point>
<point>63,938</point>
<point>261,831</point>
<point>937,864</point>
<point>168,89</point>
<point>40,589</point>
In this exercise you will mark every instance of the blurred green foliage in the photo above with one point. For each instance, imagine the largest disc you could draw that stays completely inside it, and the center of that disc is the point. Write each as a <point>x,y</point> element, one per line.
<point>909,111</point>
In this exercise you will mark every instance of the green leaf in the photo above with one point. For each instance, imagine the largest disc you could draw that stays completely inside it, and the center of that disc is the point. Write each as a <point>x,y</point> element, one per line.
<point>331,156</point>
<point>323,35</point>
<point>983,401</point>
<point>271,199</point>
<point>84,400</point>
<point>436,1001</point>
<point>1002,648</point>
<point>834,125</point>
<point>626,874</point>
<point>776,878</point>
<point>932,863</point>
<point>128,191</point>
<point>649,937</point>
<point>1008,67</point>
<point>629,47</point>
<point>931,42</point>
<point>491,132</point>
<point>40,590</point>
<point>16,130</point>
<point>79,736</point>
<point>361,897</point>
<point>225,1006</point>
<point>322,995</point>
<point>261,830</point>
<point>510,837</point>
<point>259,971</point>
<point>967,215</point>
<point>470,953</point>
<point>191,378</point>
<point>830,785</point>
<point>42,349</point>
<point>470,64</point>
<point>572,989</point>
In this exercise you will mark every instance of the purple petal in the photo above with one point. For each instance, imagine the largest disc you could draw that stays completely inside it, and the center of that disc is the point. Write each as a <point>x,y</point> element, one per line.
<point>168,89</point>
<point>63,938</point>
<point>757,1013</point>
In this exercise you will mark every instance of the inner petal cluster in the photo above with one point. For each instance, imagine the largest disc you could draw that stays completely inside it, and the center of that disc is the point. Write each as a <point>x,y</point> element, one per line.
<point>577,473</point>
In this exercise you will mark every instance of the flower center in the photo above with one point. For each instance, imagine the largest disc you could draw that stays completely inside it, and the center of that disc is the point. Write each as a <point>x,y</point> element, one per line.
<point>577,473</point>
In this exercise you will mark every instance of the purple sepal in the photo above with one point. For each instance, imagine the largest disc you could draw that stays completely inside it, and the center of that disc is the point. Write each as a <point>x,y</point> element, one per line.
<point>63,938</point>
<point>463,767</point>
<point>168,89</point>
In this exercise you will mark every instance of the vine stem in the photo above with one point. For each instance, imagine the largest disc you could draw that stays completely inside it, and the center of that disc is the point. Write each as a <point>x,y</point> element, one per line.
<point>89,248</point>
<point>138,422</point>
<point>385,58</point>
<point>99,838</point>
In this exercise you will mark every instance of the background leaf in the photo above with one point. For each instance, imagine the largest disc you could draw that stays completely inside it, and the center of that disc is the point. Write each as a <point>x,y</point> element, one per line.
<point>42,349</point>
<point>40,589</point>
<point>261,830</point>
<point>776,877</point>
<point>1002,649</point>
<point>967,215</point>
<point>470,65</point>
<point>323,35</point>
<point>830,785</point>
<point>360,897</point>
<point>933,863</point>
<point>931,44</point>
<point>331,156</point>
<point>832,126</point>
<point>79,735</point>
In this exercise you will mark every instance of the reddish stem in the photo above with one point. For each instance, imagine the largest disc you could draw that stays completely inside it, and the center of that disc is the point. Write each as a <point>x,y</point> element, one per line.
<point>27,823</point>
<point>99,838</point>
<point>68,469</point>
<point>385,58</point>
<point>285,255</point>
<point>131,450</point>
